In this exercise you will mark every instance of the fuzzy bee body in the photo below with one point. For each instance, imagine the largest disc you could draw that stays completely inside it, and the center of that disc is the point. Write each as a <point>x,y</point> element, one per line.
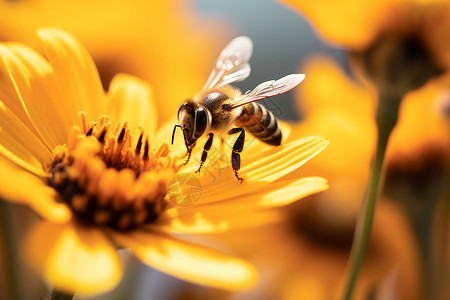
<point>216,103</point>
<point>220,108</point>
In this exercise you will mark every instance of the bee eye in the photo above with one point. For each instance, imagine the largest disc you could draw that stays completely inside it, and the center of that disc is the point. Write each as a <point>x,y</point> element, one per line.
<point>201,121</point>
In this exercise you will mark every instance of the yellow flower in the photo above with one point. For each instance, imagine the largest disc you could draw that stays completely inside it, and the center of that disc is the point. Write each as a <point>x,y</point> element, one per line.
<point>163,42</point>
<point>398,45</point>
<point>312,265</point>
<point>359,23</point>
<point>418,149</point>
<point>92,165</point>
<point>344,113</point>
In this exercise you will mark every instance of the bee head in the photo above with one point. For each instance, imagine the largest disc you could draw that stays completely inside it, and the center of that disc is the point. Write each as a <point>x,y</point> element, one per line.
<point>194,120</point>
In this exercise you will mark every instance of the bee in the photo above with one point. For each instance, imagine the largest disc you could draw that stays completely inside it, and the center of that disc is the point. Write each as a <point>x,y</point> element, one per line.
<point>221,109</point>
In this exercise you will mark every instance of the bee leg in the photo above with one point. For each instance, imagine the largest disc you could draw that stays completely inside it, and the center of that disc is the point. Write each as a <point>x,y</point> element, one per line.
<point>205,151</point>
<point>237,148</point>
<point>188,154</point>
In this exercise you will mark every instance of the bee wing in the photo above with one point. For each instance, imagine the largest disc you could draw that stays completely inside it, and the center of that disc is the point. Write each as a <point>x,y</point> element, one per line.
<point>269,89</point>
<point>232,64</point>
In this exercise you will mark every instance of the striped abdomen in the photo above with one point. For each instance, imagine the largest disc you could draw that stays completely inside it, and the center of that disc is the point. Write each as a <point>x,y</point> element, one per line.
<point>261,123</point>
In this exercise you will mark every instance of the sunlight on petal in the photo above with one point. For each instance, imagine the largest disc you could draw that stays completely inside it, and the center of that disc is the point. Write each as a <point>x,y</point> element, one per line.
<point>47,112</point>
<point>294,191</point>
<point>19,139</point>
<point>190,262</point>
<point>21,157</point>
<point>131,99</point>
<point>30,90</point>
<point>73,258</point>
<point>272,195</point>
<point>275,163</point>
<point>243,211</point>
<point>212,220</point>
<point>78,78</point>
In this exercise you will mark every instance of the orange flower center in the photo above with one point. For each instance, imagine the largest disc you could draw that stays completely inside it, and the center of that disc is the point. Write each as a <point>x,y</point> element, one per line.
<point>108,178</point>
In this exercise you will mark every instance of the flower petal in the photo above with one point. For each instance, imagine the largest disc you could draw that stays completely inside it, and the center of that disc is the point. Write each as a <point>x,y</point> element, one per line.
<point>19,186</point>
<point>214,220</point>
<point>21,142</point>
<point>29,75</point>
<point>131,99</point>
<point>266,166</point>
<point>294,191</point>
<point>77,75</point>
<point>277,162</point>
<point>355,25</point>
<point>220,184</point>
<point>73,258</point>
<point>224,215</point>
<point>188,261</point>
<point>20,155</point>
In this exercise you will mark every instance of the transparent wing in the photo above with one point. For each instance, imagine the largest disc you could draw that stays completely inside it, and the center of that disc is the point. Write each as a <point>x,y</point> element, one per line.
<point>269,89</point>
<point>232,64</point>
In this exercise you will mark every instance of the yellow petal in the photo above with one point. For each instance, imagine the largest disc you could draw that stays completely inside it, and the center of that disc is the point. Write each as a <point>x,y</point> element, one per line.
<point>411,137</point>
<point>18,139</point>
<point>214,220</point>
<point>131,99</point>
<point>344,114</point>
<point>19,186</point>
<point>294,191</point>
<point>224,214</point>
<point>279,161</point>
<point>77,75</point>
<point>73,258</point>
<point>20,156</point>
<point>188,261</point>
<point>353,99</point>
<point>8,90</point>
<point>220,183</point>
<point>356,23</point>
<point>29,75</point>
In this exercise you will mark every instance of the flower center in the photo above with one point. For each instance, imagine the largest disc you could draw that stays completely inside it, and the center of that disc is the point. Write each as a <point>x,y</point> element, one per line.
<point>108,178</point>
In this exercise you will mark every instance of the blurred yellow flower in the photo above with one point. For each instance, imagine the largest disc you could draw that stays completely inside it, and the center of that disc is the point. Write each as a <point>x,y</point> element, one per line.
<point>311,265</point>
<point>161,42</point>
<point>297,262</point>
<point>422,126</point>
<point>112,181</point>
<point>416,154</point>
<point>357,24</point>
<point>344,113</point>
<point>398,44</point>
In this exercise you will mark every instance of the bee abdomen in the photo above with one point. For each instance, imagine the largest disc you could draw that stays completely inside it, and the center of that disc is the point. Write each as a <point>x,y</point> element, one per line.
<point>261,123</point>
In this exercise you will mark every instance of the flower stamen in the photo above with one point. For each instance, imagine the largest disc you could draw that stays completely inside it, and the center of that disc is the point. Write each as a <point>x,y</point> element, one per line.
<point>106,180</point>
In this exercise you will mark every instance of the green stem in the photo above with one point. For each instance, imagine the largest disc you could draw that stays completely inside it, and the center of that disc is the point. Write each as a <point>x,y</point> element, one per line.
<point>386,119</point>
<point>56,295</point>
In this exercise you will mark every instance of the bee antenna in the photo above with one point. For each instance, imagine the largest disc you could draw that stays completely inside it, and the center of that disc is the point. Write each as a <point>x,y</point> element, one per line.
<point>173,133</point>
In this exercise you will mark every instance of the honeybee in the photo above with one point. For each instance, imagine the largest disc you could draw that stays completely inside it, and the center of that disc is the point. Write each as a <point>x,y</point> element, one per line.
<point>219,108</point>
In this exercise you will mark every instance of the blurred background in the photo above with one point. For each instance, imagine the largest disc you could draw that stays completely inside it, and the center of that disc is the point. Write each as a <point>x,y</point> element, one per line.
<point>174,45</point>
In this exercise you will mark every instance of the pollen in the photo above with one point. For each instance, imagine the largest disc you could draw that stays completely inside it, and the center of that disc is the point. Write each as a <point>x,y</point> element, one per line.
<point>109,177</point>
